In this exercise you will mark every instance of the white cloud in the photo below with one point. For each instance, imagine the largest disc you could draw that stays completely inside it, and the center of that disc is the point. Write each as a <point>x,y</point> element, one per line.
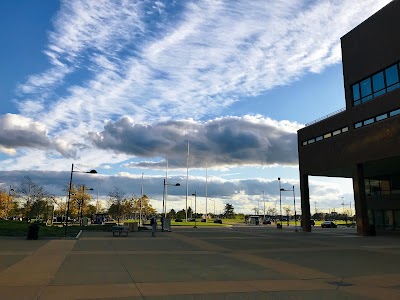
<point>18,131</point>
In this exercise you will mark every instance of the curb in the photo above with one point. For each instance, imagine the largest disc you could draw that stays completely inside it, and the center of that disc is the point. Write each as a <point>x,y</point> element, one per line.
<point>79,234</point>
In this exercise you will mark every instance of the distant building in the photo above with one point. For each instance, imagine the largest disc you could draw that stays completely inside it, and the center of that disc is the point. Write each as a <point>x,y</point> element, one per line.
<point>362,141</point>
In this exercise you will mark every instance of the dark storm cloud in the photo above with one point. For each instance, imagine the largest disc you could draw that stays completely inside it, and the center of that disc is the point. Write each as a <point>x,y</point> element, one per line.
<point>227,141</point>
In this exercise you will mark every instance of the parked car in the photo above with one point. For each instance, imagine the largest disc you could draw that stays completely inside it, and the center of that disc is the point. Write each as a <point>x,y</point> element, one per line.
<point>267,221</point>
<point>203,220</point>
<point>219,221</point>
<point>312,222</point>
<point>328,224</point>
<point>191,219</point>
<point>178,220</point>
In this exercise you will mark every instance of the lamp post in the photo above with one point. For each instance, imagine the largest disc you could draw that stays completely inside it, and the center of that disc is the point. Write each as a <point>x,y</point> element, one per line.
<point>164,200</point>
<point>214,206</point>
<point>141,199</point>
<point>295,214</point>
<point>280,202</point>
<point>195,208</point>
<point>294,206</point>
<point>69,194</point>
<point>264,205</point>
<point>81,204</point>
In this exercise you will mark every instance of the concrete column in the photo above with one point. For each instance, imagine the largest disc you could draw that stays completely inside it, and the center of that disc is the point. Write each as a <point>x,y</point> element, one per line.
<point>305,203</point>
<point>360,201</point>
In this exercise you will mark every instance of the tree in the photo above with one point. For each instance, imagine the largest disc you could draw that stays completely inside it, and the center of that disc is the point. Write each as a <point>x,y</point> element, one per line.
<point>6,202</point>
<point>147,208</point>
<point>181,214</point>
<point>3,204</point>
<point>90,210</point>
<point>172,214</point>
<point>190,212</point>
<point>79,204</point>
<point>271,211</point>
<point>116,198</point>
<point>229,211</point>
<point>287,209</point>
<point>35,196</point>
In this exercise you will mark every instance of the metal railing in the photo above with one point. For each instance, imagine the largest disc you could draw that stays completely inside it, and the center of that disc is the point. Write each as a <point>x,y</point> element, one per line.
<point>326,117</point>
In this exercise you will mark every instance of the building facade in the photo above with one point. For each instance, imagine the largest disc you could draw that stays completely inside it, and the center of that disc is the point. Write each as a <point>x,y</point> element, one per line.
<point>362,141</point>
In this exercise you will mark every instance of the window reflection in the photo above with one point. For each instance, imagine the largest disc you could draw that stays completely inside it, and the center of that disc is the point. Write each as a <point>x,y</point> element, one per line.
<point>378,81</point>
<point>376,85</point>
<point>392,75</point>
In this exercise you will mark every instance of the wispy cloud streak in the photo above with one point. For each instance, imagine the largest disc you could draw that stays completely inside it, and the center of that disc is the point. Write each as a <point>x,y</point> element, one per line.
<point>161,60</point>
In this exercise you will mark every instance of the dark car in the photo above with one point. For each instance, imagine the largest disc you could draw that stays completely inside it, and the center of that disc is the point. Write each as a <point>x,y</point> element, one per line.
<point>267,222</point>
<point>219,221</point>
<point>312,222</point>
<point>328,224</point>
<point>178,220</point>
<point>203,220</point>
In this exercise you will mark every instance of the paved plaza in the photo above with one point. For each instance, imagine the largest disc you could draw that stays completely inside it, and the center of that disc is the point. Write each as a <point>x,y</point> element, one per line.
<point>239,262</point>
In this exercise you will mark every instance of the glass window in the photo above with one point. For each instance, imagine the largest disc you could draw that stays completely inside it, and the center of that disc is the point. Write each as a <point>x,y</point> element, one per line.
<point>319,138</point>
<point>345,129</point>
<point>311,141</point>
<point>393,87</point>
<point>304,143</point>
<point>380,93</point>
<point>367,187</point>
<point>385,187</point>
<point>356,92</point>
<point>392,75</point>
<point>357,102</point>
<point>365,99</point>
<point>336,132</point>
<point>381,117</point>
<point>328,135</point>
<point>378,82</point>
<point>357,125</point>
<point>394,113</point>
<point>375,187</point>
<point>396,215</point>
<point>369,121</point>
<point>378,219</point>
<point>365,86</point>
<point>389,224</point>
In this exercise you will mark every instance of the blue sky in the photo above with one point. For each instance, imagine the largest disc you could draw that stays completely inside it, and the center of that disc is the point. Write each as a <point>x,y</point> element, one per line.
<point>120,86</point>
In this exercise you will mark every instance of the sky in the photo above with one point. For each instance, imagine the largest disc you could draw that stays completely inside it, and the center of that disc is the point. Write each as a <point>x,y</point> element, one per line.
<point>122,87</point>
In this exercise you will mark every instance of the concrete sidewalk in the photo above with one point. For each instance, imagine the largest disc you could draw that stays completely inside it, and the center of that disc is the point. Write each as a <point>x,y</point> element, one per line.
<point>203,263</point>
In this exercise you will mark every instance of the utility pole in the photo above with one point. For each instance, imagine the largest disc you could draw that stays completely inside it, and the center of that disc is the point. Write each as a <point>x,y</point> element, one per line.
<point>343,204</point>
<point>264,205</point>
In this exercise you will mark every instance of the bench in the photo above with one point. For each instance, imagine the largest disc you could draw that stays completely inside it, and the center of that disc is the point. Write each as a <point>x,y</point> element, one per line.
<point>120,230</point>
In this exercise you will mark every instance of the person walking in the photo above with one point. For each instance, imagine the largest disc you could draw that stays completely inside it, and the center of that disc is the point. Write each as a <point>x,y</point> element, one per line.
<point>153,223</point>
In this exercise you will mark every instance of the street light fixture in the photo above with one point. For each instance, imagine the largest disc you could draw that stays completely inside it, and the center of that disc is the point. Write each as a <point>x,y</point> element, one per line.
<point>294,206</point>
<point>165,200</point>
<point>195,209</point>
<point>280,203</point>
<point>69,194</point>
